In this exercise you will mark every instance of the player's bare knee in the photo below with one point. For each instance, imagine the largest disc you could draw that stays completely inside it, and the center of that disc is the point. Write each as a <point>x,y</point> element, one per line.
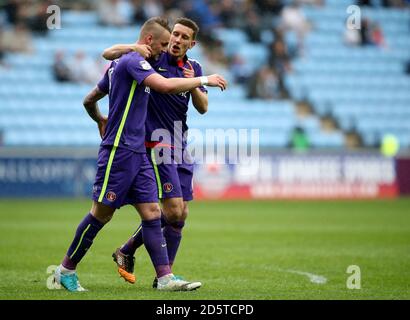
<point>185,212</point>
<point>173,210</point>
<point>149,211</point>
<point>101,212</point>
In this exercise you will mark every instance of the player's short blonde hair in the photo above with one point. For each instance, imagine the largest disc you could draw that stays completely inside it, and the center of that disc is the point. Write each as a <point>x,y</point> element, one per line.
<point>154,26</point>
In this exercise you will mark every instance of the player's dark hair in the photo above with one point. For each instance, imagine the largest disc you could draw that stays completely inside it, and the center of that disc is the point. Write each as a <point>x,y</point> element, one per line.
<point>153,22</point>
<point>190,24</point>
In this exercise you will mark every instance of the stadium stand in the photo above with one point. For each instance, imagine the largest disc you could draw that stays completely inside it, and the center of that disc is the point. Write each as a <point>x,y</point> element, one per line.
<point>363,88</point>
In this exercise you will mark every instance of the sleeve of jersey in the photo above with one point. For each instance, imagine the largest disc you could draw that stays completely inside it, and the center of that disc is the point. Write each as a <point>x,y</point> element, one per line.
<point>198,73</point>
<point>139,69</point>
<point>104,83</point>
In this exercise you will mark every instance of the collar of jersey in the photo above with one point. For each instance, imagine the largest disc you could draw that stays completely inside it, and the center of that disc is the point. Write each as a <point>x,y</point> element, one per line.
<point>173,61</point>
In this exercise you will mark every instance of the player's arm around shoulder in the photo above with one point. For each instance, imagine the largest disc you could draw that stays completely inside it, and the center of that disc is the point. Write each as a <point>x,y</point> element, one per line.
<point>176,85</point>
<point>117,50</point>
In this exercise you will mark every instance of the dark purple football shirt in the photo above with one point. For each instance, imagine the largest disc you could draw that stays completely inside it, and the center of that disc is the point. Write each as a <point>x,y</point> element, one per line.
<point>164,109</point>
<point>128,100</point>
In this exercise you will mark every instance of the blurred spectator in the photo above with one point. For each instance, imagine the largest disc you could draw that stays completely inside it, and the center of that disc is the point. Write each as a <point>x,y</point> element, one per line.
<point>35,16</point>
<point>384,3</point>
<point>365,3</point>
<point>407,68</point>
<point>228,12</point>
<point>299,140</point>
<point>369,34</point>
<point>83,69</point>
<point>352,37</point>
<point>239,69</point>
<point>395,3</point>
<point>61,69</point>
<point>389,145</point>
<point>201,13</point>
<point>76,5</point>
<point>145,9</point>
<point>377,36</point>
<point>269,6</point>
<point>2,49</point>
<point>317,3</point>
<point>17,39</point>
<point>11,8</point>
<point>78,68</point>
<point>214,60</point>
<point>294,20</point>
<point>175,13</point>
<point>365,32</point>
<point>279,60</point>
<point>353,139</point>
<point>253,26</point>
<point>114,12</point>
<point>264,85</point>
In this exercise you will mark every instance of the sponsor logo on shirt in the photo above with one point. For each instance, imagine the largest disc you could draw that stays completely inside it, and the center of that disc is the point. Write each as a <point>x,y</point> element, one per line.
<point>162,69</point>
<point>183,94</point>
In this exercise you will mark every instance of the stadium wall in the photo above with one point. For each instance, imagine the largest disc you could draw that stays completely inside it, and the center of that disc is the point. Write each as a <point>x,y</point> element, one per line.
<point>277,175</point>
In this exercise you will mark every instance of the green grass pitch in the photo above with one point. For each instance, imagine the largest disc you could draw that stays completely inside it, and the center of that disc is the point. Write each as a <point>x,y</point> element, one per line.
<point>238,249</point>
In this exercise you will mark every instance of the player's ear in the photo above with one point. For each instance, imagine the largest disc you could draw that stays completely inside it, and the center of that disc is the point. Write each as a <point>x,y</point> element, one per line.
<point>148,39</point>
<point>193,43</point>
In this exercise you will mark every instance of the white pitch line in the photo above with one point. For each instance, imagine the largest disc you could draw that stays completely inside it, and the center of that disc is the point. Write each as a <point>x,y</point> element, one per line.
<point>314,278</point>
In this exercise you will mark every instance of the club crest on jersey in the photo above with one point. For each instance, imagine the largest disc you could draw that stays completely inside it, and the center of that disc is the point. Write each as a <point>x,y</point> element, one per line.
<point>145,65</point>
<point>168,187</point>
<point>111,196</point>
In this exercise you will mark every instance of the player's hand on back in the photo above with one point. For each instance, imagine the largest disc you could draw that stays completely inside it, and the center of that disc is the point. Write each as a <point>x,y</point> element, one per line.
<point>102,124</point>
<point>216,80</point>
<point>143,49</point>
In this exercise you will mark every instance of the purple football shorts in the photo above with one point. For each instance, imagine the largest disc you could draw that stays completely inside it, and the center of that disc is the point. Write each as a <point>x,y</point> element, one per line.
<point>174,180</point>
<point>124,177</point>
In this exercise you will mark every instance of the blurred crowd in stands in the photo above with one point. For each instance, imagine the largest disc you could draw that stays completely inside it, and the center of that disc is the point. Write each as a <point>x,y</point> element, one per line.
<point>19,20</point>
<point>266,22</point>
<point>370,33</point>
<point>78,67</point>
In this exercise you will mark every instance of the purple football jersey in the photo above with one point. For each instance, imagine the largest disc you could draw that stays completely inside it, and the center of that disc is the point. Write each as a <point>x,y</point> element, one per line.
<point>165,109</point>
<point>128,100</point>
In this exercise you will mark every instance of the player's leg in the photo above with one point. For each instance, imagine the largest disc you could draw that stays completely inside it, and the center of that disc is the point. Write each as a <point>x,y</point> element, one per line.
<point>153,238</point>
<point>156,246</point>
<point>86,231</point>
<point>144,196</point>
<point>176,209</point>
<point>110,189</point>
<point>174,221</point>
<point>136,241</point>
<point>168,174</point>
<point>177,193</point>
